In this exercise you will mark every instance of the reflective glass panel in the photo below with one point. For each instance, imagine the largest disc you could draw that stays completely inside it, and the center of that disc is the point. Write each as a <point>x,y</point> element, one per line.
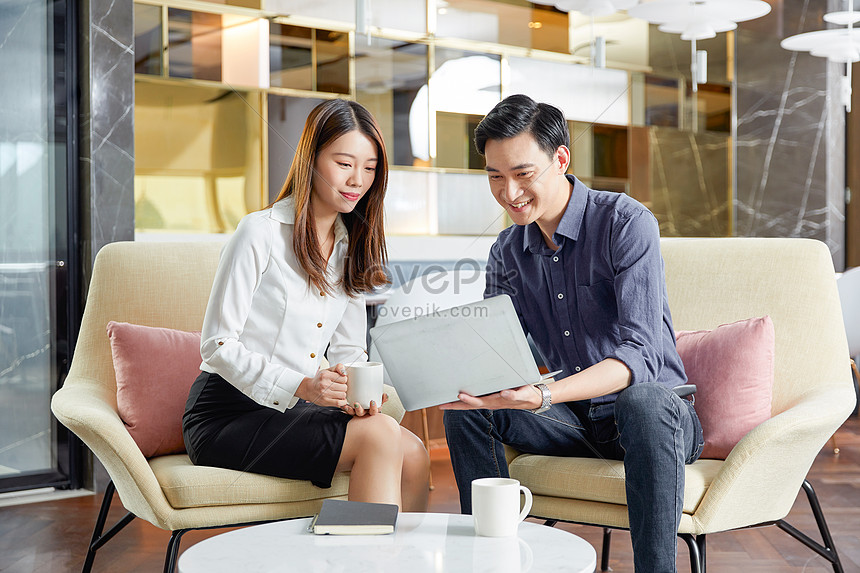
<point>409,15</point>
<point>336,10</point>
<point>198,158</point>
<point>290,57</point>
<point>391,81</point>
<point>465,87</point>
<point>690,182</point>
<point>332,53</point>
<point>517,24</point>
<point>286,121</point>
<point>600,155</point>
<point>583,93</point>
<point>714,106</point>
<point>194,40</point>
<point>147,39</point>
<point>32,155</point>
<point>625,38</point>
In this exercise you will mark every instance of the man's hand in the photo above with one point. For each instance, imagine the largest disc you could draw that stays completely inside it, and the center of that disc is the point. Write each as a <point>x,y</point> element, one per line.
<point>523,398</point>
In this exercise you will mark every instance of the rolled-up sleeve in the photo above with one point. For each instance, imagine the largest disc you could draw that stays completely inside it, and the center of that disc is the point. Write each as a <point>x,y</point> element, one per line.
<point>639,290</point>
<point>243,262</point>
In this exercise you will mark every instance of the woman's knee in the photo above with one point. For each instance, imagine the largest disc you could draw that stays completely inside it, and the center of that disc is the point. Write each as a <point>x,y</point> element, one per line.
<point>415,457</point>
<point>378,430</point>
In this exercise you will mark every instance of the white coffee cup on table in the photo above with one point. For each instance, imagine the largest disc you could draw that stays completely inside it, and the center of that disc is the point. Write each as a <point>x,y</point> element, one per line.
<point>364,384</point>
<point>496,506</point>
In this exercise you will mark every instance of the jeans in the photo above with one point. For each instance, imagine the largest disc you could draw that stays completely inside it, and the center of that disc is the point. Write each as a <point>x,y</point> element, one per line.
<point>649,427</point>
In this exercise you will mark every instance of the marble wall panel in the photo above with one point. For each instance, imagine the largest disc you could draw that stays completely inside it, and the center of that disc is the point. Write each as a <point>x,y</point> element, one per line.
<point>106,52</point>
<point>790,135</point>
<point>690,186</point>
<point>106,48</point>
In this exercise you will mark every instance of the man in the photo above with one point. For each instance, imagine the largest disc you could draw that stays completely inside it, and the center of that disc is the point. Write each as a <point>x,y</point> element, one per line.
<point>585,273</point>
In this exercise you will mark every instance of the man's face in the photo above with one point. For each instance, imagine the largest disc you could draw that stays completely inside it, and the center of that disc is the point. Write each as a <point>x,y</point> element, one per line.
<point>524,179</point>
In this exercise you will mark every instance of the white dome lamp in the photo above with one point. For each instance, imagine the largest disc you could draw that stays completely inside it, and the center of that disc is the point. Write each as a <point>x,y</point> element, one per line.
<point>593,9</point>
<point>699,20</point>
<point>840,45</point>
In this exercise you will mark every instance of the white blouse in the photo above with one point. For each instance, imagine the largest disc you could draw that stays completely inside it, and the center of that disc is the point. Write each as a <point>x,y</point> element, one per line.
<point>266,326</point>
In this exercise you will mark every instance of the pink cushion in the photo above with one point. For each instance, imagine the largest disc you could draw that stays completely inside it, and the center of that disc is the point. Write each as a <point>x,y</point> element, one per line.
<point>732,368</point>
<point>155,368</point>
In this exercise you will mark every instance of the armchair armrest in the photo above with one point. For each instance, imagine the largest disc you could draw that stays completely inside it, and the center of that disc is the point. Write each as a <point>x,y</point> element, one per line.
<point>762,475</point>
<point>394,407</point>
<point>88,410</point>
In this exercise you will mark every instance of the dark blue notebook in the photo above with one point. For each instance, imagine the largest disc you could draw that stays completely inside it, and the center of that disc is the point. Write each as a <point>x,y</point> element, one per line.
<point>341,517</point>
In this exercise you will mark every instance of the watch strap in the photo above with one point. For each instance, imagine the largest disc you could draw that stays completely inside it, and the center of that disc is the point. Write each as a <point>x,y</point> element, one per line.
<point>546,399</point>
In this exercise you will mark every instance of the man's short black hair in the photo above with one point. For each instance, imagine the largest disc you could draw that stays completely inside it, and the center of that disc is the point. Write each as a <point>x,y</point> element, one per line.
<point>518,114</point>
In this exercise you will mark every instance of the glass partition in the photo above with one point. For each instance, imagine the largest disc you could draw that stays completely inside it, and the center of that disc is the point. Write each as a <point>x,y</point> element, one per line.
<point>37,273</point>
<point>198,158</point>
<point>291,57</point>
<point>147,40</point>
<point>465,87</point>
<point>194,40</point>
<point>389,76</point>
<point>513,23</point>
<point>428,115</point>
<point>583,93</point>
<point>286,120</point>
<point>332,61</point>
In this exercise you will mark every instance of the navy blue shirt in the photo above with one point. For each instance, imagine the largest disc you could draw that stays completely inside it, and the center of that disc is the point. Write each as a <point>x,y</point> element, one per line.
<point>601,295</point>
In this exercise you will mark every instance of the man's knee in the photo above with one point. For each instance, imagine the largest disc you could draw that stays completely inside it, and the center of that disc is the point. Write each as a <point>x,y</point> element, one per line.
<point>638,407</point>
<point>460,421</point>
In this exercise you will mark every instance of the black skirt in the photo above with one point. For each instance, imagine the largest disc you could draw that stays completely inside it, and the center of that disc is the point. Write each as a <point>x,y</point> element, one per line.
<point>225,428</point>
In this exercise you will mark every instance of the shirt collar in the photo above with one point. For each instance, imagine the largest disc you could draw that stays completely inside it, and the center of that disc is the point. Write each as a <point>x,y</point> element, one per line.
<point>570,224</point>
<point>284,211</point>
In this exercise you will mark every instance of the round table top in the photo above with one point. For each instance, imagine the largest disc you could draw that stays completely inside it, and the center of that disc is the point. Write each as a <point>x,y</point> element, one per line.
<point>432,542</point>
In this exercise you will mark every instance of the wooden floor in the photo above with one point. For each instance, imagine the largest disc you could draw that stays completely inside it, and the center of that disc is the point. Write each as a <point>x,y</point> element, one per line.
<point>51,536</point>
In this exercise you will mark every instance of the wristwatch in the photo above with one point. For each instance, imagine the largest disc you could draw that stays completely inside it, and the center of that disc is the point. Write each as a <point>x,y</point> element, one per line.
<point>546,399</point>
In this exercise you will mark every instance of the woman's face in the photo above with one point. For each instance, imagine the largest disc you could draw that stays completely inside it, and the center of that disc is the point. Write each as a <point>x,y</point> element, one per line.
<point>343,172</point>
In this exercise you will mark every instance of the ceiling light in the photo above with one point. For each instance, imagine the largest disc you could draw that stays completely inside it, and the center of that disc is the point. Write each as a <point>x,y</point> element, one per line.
<point>698,20</point>
<point>840,45</point>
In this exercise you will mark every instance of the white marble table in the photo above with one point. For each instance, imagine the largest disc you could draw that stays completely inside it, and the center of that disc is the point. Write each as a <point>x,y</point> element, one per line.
<point>431,542</point>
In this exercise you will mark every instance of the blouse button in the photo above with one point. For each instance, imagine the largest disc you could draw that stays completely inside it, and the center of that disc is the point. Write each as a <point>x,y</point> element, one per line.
<point>275,402</point>
<point>319,325</point>
<point>220,343</point>
<point>313,355</point>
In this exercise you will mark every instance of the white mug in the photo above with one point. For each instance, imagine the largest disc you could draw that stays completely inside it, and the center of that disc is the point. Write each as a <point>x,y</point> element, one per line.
<point>496,506</point>
<point>364,383</point>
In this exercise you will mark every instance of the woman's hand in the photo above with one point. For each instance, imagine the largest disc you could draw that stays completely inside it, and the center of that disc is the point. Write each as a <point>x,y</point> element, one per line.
<point>326,388</point>
<point>357,410</point>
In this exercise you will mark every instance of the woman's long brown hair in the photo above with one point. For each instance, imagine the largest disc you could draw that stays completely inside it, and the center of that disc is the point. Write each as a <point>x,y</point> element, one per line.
<point>366,255</point>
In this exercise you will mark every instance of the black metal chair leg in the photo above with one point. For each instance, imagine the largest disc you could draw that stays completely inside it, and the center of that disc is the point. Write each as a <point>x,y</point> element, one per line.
<point>604,552</point>
<point>828,550</point>
<point>697,551</point>
<point>173,550</point>
<point>98,539</point>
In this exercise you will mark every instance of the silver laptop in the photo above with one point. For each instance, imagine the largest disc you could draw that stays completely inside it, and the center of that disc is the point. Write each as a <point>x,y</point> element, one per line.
<point>477,348</point>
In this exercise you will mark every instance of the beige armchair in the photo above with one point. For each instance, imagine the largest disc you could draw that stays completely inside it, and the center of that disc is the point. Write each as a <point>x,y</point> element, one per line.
<point>166,285</point>
<point>712,282</point>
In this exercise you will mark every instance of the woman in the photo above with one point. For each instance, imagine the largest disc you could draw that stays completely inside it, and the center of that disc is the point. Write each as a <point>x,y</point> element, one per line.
<point>288,286</point>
